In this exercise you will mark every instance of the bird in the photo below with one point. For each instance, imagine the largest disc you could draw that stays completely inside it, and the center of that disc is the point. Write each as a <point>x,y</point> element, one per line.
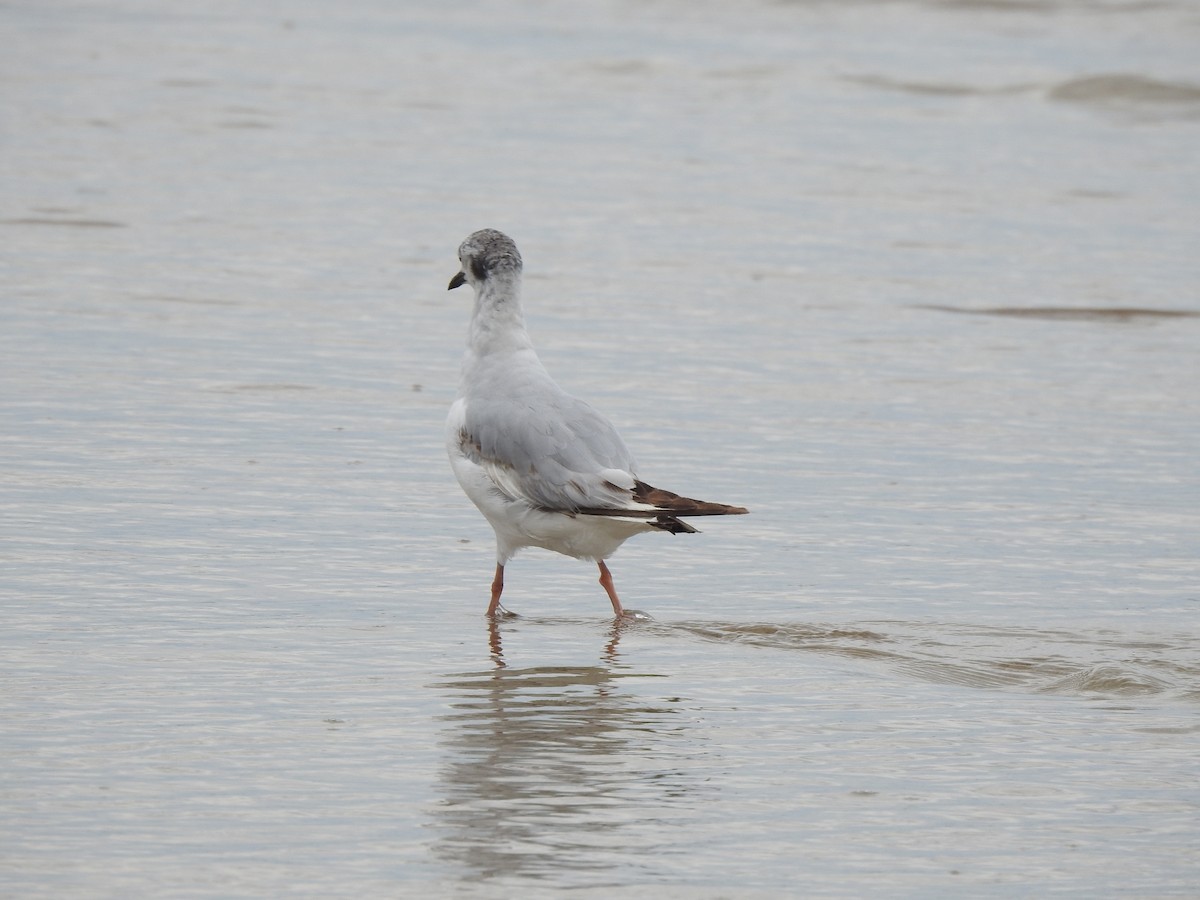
<point>545,468</point>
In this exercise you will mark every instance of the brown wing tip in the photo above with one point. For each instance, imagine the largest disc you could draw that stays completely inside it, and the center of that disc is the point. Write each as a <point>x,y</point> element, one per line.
<point>682,506</point>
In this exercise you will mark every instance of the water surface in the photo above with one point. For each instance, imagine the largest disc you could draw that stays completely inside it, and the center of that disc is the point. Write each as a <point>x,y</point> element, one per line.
<point>915,282</point>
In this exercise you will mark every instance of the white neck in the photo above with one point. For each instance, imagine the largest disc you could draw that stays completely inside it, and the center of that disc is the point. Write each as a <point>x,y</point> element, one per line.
<point>498,323</point>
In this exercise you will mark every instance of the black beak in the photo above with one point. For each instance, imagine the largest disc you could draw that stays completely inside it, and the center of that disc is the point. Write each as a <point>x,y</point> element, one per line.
<point>457,281</point>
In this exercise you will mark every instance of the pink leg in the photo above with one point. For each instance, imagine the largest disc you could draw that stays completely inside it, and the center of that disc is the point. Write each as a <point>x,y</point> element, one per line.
<point>497,590</point>
<point>607,583</point>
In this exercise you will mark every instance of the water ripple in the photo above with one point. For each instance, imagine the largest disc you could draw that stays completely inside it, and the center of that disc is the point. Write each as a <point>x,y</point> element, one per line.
<point>1042,661</point>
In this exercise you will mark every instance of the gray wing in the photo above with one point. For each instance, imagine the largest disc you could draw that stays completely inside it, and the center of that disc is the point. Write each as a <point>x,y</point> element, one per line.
<point>542,445</point>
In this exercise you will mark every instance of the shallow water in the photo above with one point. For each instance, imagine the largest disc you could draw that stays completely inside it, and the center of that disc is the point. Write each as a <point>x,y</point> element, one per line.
<point>915,282</point>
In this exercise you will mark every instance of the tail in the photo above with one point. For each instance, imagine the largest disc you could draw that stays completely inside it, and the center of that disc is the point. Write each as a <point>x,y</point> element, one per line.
<point>664,509</point>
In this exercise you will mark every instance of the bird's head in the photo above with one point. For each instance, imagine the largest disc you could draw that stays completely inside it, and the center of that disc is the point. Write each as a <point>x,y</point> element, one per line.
<point>484,254</point>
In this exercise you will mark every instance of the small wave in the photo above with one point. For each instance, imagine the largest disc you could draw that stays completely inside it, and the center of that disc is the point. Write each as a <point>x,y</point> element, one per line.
<point>65,223</point>
<point>1121,88</point>
<point>1109,680</point>
<point>988,658</point>
<point>936,88</point>
<point>1070,313</point>
<point>1134,97</point>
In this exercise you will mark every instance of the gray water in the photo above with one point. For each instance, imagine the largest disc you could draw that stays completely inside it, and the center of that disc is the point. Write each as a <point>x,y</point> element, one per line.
<point>914,281</point>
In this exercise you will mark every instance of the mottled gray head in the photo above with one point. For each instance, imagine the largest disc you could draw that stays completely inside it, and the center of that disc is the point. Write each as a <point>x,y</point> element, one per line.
<point>483,254</point>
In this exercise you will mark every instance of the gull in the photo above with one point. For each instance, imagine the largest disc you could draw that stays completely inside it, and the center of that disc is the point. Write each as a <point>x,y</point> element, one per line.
<point>545,469</point>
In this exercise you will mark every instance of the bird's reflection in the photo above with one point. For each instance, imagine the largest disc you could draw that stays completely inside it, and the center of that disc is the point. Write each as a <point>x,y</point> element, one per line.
<point>609,655</point>
<point>548,769</point>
